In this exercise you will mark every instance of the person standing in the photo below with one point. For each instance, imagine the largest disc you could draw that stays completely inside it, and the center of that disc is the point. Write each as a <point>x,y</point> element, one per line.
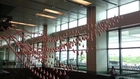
<point>113,73</point>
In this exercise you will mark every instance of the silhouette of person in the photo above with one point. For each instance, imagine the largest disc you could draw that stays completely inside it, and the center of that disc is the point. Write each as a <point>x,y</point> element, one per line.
<point>113,72</point>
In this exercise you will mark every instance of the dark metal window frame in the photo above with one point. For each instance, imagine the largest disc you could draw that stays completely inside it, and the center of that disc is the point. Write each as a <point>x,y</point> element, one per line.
<point>119,48</point>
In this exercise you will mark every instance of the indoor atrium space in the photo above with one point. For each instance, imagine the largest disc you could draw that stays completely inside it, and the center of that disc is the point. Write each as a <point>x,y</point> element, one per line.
<point>69,39</point>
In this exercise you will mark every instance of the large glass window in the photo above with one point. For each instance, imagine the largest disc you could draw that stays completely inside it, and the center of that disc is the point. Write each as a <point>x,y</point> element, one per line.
<point>128,8</point>
<point>113,58</point>
<point>72,57</point>
<point>113,39</point>
<point>73,24</point>
<point>126,52</point>
<point>83,44</point>
<point>40,32</point>
<point>58,43</point>
<point>82,58</point>
<point>112,12</point>
<point>63,43</point>
<point>57,56</point>
<point>57,59</point>
<point>64,26</point>
<point>82,21</point>
<point>73,46</point>
<point>131,59</point>
<point>75,56</point>
<point>131,37</point>
<point>57,28</point>
<point>39,46</point>
<point>64,57</point>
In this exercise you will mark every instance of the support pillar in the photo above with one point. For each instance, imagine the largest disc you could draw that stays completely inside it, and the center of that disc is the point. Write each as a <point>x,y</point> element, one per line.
<point>44,44</point>
<point>91,54</point>
<point>96,58</point>
<point>101,44</point>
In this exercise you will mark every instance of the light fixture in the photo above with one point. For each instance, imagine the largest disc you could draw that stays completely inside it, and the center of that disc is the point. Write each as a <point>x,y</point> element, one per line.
<point>53,11</point>
<point>83,2</point>
<point>21,23</point>
<point>46,16</point>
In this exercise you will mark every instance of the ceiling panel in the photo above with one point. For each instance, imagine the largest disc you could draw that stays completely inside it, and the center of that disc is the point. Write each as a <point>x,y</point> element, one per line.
<point>5,9</point>
<point>25,10</point>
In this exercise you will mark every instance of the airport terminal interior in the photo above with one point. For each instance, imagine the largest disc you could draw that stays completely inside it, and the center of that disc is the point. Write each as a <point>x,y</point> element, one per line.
<point>69,39</point>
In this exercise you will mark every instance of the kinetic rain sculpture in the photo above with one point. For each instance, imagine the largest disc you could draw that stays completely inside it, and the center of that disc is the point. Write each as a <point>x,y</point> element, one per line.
<point>27,50</point>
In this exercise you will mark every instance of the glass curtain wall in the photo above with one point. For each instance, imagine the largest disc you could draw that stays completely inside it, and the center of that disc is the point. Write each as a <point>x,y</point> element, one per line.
<point>123,49</point>
<point>123,44</point>
<point>75,56</point>
<point>71,24</point>
<point>124,9</point>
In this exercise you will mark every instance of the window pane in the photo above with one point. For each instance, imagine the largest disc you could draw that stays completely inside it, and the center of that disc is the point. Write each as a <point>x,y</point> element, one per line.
<point>82,21</point>
<point>57,55</point>
<point>131,59</point>
<point>39,46</point>
<point>64,57</point>
<point>113,58</point>
<point>83,44</point>
<point>82,58</point>
<point>113,39</point>
<point>72,58</point>
<point>64,26</point>
<point>131,37</point>
<point>128,8</point>
<point>35,47</point>
<point>112,12</point>
<point>40,32</point>
<point>63,44</point>
<point>57,28</point>
<point>57,59</point>
<point>73,24</point>
<point>58,43</point>
<point>74,47</point>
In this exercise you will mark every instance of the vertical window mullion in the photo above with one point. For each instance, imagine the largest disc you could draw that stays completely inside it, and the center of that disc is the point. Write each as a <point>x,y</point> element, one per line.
<point>107,37</point>
<point>120,54</point>
<point>55,54</point>
<point>77,20</point>
<point>68,20</point>
<point>60,53</point>
<point>67,52</point>
<point>77,64</point>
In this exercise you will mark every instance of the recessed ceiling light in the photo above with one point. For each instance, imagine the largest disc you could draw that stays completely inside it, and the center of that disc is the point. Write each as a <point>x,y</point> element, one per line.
<point>46,16</point>
<point>21,23</point>
<point>83,2</point>
<point>53,11</point>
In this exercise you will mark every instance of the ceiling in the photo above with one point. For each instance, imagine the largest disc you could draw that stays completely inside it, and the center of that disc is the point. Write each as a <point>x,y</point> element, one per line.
<point>25,10</point>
